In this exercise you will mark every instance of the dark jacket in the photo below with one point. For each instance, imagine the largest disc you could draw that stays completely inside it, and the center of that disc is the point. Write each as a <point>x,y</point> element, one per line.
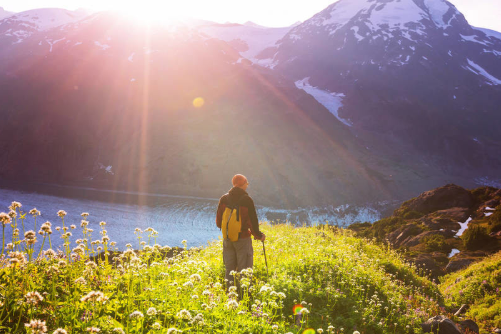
<point>247,212</point>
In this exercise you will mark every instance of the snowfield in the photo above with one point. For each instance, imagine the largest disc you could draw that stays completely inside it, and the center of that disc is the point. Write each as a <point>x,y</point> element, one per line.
<point>331,101</point>
<point>463,228</point>
<point>453,252</point>
<point>256,38</point>
<point>477,69</point>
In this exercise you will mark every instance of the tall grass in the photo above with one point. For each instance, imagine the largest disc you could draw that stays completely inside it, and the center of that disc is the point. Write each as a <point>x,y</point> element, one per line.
<point>478,286</point>
<point>320,278</point>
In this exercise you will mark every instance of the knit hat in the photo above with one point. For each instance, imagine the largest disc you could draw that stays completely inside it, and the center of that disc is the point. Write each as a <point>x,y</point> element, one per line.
<point>239,180</point>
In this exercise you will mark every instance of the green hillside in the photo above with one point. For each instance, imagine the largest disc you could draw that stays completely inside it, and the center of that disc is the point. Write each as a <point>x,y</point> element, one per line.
<point>342,283</point>
<point>479,287</point>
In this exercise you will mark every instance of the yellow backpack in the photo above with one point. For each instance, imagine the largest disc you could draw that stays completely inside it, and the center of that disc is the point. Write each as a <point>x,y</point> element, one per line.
<point>232,224</point>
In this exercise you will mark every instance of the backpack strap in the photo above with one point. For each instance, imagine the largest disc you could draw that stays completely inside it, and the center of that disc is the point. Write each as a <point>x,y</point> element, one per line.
<point>236,205</point>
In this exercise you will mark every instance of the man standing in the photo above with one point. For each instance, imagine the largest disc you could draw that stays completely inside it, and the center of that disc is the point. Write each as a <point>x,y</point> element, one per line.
<point>238,255</point>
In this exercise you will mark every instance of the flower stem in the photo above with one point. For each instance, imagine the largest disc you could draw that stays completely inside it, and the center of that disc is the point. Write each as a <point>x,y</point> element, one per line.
<point>3,237</point>
<point>41,249</point>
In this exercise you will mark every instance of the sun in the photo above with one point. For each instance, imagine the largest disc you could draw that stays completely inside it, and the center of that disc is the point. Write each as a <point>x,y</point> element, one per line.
<point>166,11</point>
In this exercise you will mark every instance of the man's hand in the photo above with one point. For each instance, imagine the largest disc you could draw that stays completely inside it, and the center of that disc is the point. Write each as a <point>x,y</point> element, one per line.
<point>263,237</point>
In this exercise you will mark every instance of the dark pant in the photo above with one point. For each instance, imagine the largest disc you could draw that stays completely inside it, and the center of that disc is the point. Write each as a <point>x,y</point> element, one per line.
<point>237,255</point>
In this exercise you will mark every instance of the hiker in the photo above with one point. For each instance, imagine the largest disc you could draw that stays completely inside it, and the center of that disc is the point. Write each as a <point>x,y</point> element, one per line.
<point>237,219</point>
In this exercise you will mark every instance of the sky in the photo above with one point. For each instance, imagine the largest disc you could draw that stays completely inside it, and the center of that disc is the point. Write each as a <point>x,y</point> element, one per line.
<point>479,13</point>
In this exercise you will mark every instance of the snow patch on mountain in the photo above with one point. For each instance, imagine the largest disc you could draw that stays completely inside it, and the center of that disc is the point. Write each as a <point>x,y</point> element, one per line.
<point>131,57</point>
<point>331,101</point>
<point>438,9</point>
<point>268,62</point>
<point>473,38</point>
<point>397,13</point>
<point>463,228</point>
<point>453,252</point>
<point>355,30</point>
<point>490,33</point>
<point>342,12</point>
<point>20,34</point>
<point>497,53</point>
<point>477,69</point>
<point>52,42</point>
<point>383,18</point>
<point>102,46</point>
<point>256,38</point>
<point>47,18</point>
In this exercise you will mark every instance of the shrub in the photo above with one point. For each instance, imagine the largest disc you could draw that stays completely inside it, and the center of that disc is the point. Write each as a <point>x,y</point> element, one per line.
<point>475,237</point>
<point>413,215</point>
<point>495,218</point>
<point>384,226</point>
<point>435,243</point>
<point>360,227</point>
<point>481,194</point>
<point>495,228</point>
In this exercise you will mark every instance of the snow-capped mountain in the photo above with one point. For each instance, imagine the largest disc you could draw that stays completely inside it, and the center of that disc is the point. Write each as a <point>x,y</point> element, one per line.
<point>106,101</point>
<point>394,32</point>
<point>411,72</point>
<point>368,100</point>
<point>19,26</point>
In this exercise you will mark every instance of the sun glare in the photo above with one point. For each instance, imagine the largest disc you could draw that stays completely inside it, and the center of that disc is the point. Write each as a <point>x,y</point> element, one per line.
<point>198,102</point>
<point>156,11</point>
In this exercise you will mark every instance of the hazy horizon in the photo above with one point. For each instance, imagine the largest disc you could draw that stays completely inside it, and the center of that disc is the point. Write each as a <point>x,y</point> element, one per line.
<point>279,13</point>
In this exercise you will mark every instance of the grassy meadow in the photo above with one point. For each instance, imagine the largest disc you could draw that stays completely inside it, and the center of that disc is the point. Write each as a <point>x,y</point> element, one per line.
<point>478,286</point>
<point>321,279</point>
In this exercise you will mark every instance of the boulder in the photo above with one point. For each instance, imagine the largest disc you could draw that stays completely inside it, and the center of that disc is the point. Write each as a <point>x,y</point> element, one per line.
<point>440,324</point>
<point>463,260</point>
<point>469,325</point>
<point>432,263</point>
<point>445,219</point>
<point>455,265</point>
<point>446,197</point>
<point>492,203</point>
<point>403,233</point>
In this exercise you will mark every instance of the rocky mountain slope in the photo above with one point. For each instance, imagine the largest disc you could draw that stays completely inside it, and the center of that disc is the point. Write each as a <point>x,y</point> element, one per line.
<point>445,229</point>
<point>104,102</point>
<point>414,79</point>
<point>328,114</point>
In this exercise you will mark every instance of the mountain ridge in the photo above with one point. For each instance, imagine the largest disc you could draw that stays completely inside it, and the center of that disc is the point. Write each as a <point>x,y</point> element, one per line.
<point>380,135</point>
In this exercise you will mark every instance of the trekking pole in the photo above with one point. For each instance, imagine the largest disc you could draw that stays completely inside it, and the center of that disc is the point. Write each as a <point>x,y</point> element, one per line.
<point>265,261</point>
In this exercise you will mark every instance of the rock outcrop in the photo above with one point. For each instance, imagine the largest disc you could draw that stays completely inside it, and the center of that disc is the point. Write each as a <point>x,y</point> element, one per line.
<point>446,197</point>
<point>431,228</point>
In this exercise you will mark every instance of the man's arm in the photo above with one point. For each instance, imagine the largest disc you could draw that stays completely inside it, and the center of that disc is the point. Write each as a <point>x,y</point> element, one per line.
<point>253,220</point>
<point>219,215</point>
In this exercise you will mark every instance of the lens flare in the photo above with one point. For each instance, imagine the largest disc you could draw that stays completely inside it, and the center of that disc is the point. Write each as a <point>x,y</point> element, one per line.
<point>198,102</point>
<point>309,331</point>
<point>297,309</point>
